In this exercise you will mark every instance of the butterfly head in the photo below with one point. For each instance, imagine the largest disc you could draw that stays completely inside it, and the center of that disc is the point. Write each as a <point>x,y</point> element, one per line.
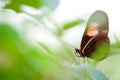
<point>79,53</point>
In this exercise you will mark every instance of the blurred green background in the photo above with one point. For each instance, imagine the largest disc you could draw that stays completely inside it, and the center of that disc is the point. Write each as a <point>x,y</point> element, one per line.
<point>47,57</point>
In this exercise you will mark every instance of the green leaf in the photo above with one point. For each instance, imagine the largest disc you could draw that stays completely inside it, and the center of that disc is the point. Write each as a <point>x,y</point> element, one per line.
<point>50,3</point>
<point>16,4</point>
<point>73,23</point>
<point>86,72</point>
<point>20,61</point>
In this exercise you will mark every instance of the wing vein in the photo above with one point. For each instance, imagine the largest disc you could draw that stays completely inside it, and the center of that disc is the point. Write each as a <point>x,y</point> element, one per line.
<point>87,44</point>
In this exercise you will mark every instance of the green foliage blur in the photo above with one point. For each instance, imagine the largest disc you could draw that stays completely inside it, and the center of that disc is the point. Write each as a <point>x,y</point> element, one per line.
<point>21,59</point>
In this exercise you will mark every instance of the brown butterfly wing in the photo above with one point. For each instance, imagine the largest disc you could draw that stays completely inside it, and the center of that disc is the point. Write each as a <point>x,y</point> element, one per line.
<point>95,36</point>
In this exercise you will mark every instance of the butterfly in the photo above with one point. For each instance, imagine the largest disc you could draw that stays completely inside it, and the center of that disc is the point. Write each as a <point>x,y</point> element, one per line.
<point>95,42</point>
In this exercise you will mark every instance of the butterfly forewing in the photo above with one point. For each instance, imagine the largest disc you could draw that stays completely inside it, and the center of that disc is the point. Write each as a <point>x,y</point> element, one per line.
<point>95,38</point>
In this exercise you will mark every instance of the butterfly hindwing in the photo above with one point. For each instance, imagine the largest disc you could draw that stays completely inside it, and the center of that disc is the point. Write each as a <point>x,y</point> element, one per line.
<point>95,39</point>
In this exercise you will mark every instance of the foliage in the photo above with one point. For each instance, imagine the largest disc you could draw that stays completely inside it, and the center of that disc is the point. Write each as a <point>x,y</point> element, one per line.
<point>21,59</point>
<point>16,5</point>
